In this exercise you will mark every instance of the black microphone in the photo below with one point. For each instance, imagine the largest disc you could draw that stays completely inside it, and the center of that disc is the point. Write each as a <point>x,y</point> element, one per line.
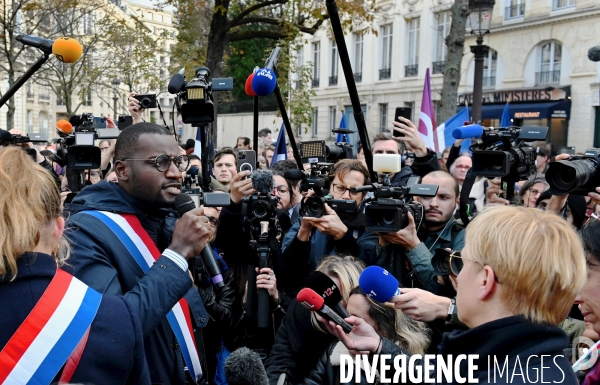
<point>244,367</point>
<point>294,174</point>
<point>75,120</point>
<point>5,137</point>
<point>594,53</point>
<point>177,81</point>
<point>262,181</point>
<point>44,45</point>
<point>183,204</point>
<point>324,286</point>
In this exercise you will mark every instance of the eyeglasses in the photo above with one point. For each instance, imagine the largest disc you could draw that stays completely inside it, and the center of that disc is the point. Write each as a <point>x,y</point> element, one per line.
<point>341,190</point>
<point>93,174</point>
<point>456,263</point>
<point>163,162</point>
<point>213,221</point>
<point>281,190</point>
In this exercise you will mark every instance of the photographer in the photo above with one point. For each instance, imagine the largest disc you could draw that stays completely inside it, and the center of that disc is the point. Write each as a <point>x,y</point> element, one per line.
<point>310,239</point>
<point>41,160</point>
<point>407,253</point>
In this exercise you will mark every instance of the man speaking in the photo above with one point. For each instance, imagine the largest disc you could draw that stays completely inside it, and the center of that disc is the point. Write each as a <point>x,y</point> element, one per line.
<point>126,240</point>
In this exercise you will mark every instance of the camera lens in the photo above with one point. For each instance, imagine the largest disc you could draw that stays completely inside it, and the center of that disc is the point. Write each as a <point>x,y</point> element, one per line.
<point>145,102</point>
<point>387,218</point>
<point>260,209</point>
<point>313,207</point>
<point>565,176</point>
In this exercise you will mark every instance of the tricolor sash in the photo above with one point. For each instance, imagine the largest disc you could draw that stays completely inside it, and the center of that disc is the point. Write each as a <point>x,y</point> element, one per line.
<point>50,333</point>
<point>136,240</point>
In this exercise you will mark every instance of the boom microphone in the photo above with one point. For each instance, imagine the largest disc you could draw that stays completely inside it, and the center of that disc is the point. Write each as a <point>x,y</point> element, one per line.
<point>594,53</point>
<point>330,292</point>
<point>314,302</point>
<point>262,181</point>
<point>66,49</point>
<point>244,367</point>
<point>177,81</point>
<point>183,204</point>
<point>264,82</point>
<point>466,132</point>
<point>64,127</point>
<point>378,284</point>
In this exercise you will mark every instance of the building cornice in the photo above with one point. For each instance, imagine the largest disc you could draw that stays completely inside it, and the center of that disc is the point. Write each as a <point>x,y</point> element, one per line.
<point>547,19</point>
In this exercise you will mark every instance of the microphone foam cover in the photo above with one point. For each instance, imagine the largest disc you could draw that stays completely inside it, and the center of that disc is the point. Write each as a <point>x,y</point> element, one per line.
<point>466,132</point>
<point>176,83</point>
<point>294,174</point>
<point>594,53</point>
<point>262,181</point>
<point>264,82</point>
<point>5,136</point>
<point>310,299</point>
<point>378,283</point>
<point>64,126</point>
<point>324,286</point>
<point>244,367</point>
<point>184,203</point>
<point>75,120</point>
<point>249,90</point>
<point>67,50</point>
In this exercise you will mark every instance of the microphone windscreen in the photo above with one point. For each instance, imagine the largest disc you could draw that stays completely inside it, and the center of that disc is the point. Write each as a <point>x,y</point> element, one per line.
<point>294,174</point>
<point>5,136</point>
<point>466,132</point>
<point>67,50</point>
<point>262,181</point>
<point>249,90</point>
<point>184,203</point>
<point>176,83</point>
<point>594,53</point>
<point>190,143</point>
<point>75,120</point>
<point>193,171</point>
<point>378,283</point>
<point>310,299</point>
<point>244,367</point>
<point>264,82</point>
<point>324,286</point>
<point>64,126</point>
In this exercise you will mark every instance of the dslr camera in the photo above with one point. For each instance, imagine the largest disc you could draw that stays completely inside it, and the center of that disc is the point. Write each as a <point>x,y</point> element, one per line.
<point>147,101</point>
<point>578,175</point>
<point>387,211</point>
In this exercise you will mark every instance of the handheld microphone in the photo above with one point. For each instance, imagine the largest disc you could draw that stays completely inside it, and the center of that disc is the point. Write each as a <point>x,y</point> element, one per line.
<point>594,53</point>
<point>378,284</point>
<point>466,132</point>
<point>244,367</point>
<point>264,82</point>
<point>313,302</point>
<point>325,286</point>
<point>183,204</point>
<point>176,83</point>
<point>262,181</point>
<point>66,49</point>
<point>248,88</point>
<point>64,127</point>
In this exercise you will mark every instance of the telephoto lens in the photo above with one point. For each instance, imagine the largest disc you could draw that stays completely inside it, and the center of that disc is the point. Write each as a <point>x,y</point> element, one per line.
<point>578,175</point>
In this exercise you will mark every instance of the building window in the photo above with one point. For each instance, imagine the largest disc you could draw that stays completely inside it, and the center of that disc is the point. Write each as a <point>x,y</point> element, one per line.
<point>43,123</point>
<point>159,18</point>
<point>443,20</point>
<point>358,56</point>
<point>411,105</point>
<point>316,48</point>
<point>44,92</point>
<point>29,121</point>
<point>490,62</point>
<point>412,57</point>
<point>88,24</point>
<point>383,118</point>
<point>515,9</point>
<point>30,92</point>
<point>562,4</point>
<point>168,19</point>
<point>315,119</point>
<point>333,74</point>
<point>385,65</point>
<point>149,15</point>
<point>550,61</point>
<point>300,57</point>
<point>299,129</point>
<point>332,120</point>
<point>88,98</point>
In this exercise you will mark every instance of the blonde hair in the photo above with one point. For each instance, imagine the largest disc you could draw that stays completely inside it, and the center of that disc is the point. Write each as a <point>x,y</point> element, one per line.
<point>29,200</point>
<point>537,258</point>
<point>347,270</point>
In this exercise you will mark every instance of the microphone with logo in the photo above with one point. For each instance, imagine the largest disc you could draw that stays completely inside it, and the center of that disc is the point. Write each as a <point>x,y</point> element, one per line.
<point>244,367</point>
<point>314,302</point>
<point>183,204</point>
<point>328,290</point>
<point>378,284</point>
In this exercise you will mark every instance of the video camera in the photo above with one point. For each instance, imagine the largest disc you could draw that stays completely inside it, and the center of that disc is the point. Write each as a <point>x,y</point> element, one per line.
<point>262,205</point>
<point>207,199</point>
<point>196,97</point>
<point>318,151</point>
<point>577,175</point>
<point>387,211</point>
<point>6,138</point>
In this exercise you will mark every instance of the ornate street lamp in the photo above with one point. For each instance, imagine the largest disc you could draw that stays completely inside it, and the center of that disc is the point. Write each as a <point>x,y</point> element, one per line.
<point>480,17</point>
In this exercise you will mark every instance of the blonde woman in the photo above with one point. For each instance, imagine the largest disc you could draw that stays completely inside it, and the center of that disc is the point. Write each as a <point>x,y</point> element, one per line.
<point>57,328</point>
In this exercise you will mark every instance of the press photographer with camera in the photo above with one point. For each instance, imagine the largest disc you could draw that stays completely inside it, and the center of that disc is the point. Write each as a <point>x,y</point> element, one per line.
<point>30,148</point>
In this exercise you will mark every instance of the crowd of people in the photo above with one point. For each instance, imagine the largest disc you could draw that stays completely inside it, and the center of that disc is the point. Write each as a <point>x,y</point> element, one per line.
<point>521,282</point>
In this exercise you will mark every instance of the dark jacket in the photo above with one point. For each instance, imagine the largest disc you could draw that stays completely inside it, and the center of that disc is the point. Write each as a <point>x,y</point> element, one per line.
<point>420,167</point>
<point>114,352</point>
<point>298,346</point>
<point>525,347</point>
<point>100,260</point>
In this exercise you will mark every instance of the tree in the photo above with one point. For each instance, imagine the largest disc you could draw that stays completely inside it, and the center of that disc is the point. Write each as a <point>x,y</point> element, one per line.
<point>455,41</point>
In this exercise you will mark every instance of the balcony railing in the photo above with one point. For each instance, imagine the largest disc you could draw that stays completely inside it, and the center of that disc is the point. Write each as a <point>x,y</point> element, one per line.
<point>438,67</point>
<point>546,78</point>
<point>562,4</point>
<point>411,70</point>
<point>489,82</point>
<point>514,11</point>
<point>30,95</point>
<point>385,73</point>
<point>358,77</point>
<point>44,96</point>
<point>333,80</point>
<point>315,83</point>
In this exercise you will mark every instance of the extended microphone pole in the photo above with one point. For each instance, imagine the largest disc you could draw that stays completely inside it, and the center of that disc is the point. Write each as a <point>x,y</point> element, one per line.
<point>336,26</point>
<point>288,126</point>
<point>256,131</point>
<point>20,81</point>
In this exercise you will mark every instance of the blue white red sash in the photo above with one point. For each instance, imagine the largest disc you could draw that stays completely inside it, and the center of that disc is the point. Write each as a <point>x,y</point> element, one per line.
<point>136,240</point>
<point>50,333</point>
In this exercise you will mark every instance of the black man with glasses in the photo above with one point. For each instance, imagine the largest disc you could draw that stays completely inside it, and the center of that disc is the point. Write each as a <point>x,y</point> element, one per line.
<point>127,240</point>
